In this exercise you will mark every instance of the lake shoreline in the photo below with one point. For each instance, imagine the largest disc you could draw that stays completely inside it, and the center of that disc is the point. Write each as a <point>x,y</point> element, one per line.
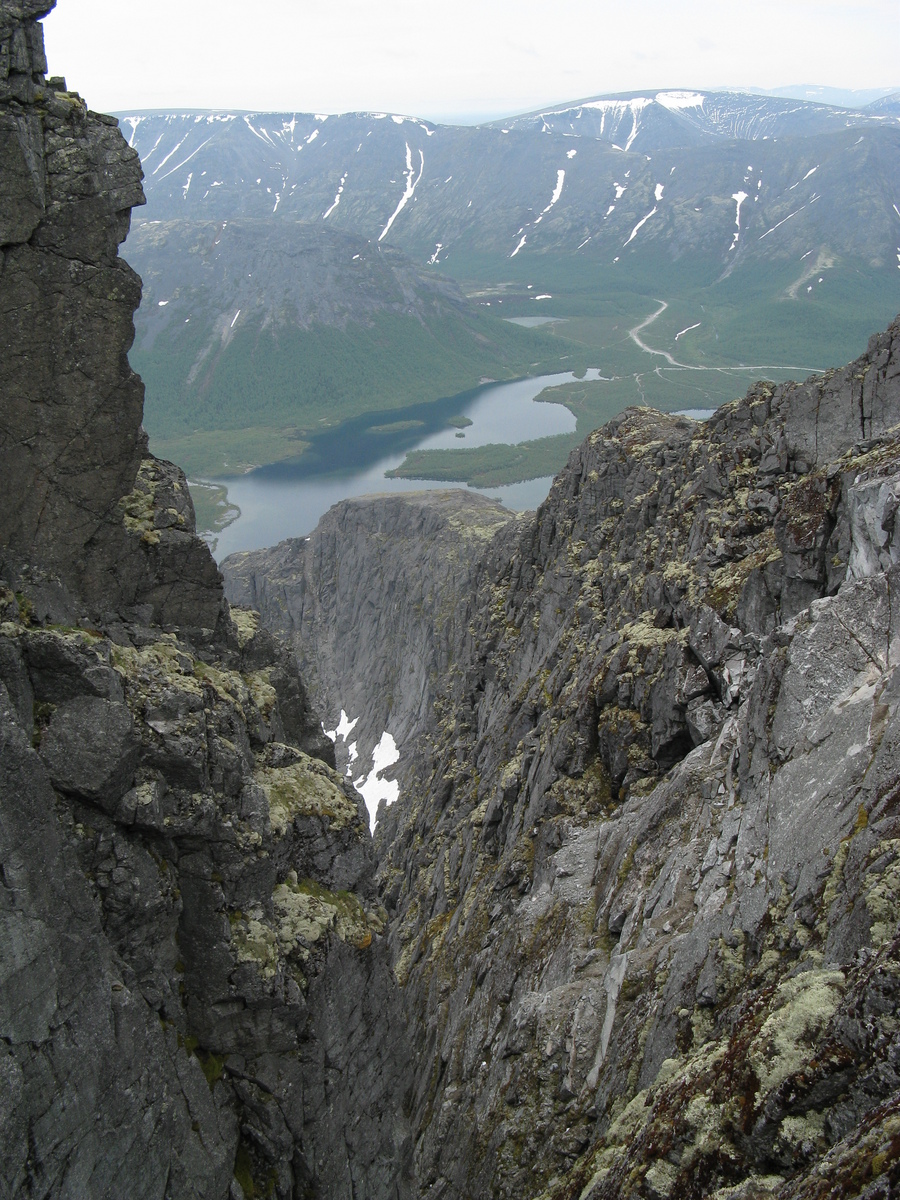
<point>286,499</point>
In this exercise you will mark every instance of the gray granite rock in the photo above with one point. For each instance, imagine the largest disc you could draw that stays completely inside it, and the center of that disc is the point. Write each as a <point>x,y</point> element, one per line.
<point>195,990</point>
<point>651,822</point>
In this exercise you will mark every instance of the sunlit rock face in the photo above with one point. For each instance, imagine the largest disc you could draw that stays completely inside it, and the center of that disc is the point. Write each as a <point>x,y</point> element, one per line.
<point>195,990</point>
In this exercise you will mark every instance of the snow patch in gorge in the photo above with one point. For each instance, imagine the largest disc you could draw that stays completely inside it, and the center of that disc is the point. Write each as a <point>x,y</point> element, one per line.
<point>658,191</point>
<point>343,729</point>
<point>804,179</point>
<point>571,153</point>
<point>337,198</point>
<point>169,155</point>
<point>373,789</point>
<point>557,192</point>
<point>688,330</point>
<point>788,217</point>
<point>643,221</point>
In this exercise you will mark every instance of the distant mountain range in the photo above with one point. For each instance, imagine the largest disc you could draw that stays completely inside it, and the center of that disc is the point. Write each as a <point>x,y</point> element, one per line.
<point>843,97</point>
<point>724,200</point>
<point>434,191</point>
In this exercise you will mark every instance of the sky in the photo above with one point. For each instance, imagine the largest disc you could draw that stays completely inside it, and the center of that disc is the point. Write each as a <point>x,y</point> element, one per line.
<point>463,60</point>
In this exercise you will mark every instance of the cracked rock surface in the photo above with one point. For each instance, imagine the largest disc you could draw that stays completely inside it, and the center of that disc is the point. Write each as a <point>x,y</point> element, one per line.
<point>196,997</point>
<point>642,875</point>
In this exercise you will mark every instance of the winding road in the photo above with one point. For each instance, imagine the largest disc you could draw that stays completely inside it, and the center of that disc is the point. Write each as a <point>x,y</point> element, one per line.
<point>635,334</point>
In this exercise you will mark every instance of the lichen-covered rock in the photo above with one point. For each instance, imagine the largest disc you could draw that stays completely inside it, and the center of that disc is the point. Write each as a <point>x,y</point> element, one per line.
<point>195,991</point>
<point>216,923</point>
<point>641,876</point>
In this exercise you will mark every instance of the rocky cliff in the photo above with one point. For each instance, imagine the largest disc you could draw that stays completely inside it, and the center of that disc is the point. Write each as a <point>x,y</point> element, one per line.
<point>370,603</point>
<point>643,872</point>
<point>195,989</point>
<point>641,889</point>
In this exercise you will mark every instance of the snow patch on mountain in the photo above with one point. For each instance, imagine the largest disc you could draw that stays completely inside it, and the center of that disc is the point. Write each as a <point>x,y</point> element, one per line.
<point>337,198</point>
<point>674,101</point>
<point>740,197</point>
<point>410,188</point>
<point>643,221</point>
<point>372,787</point>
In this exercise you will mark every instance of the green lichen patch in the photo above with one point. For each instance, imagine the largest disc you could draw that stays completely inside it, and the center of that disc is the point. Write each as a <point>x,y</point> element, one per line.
<point>263,694</point>
<point>725,585</point>
<point>305,788</point>
<point>883,895</point>
<point>305,911</point>
<point>246,622</point>
<point>161,662</point>
<point>303,915</point>
<point>254,940</point>
<point>803,1007</point>
<point>139,506</point>
<point>228,685</point>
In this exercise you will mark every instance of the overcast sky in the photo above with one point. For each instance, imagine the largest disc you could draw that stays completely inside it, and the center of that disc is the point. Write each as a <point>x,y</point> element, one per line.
<point>465,58</point>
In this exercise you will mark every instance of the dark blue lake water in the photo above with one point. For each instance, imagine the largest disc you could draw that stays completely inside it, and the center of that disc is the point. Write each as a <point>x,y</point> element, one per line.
<point>287,499</point>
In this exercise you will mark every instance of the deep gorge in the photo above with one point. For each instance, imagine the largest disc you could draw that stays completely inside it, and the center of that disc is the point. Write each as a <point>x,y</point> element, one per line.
<point>630,930</point>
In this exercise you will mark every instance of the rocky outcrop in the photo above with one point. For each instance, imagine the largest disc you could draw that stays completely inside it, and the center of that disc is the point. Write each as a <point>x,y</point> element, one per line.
<point>641,875</point>
<point>371,604</point>
<point>195,991</point>
<point>192,955</point>
<point>77,499</point>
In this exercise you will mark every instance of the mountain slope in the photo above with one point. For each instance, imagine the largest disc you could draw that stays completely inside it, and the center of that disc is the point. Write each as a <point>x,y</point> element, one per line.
<point>264,333</point>
<point>768,226</point>
<point>653,121</point>
<point>438,190</point>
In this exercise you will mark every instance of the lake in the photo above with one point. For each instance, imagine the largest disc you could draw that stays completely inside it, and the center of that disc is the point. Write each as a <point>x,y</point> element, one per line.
<point>287,499</point>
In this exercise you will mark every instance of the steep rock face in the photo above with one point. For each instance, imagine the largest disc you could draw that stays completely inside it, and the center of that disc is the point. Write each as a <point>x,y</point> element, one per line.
<point>195,991</point>
<point>370,602</point>
<point>642,876</point>
<point>188,891</point>
<point>642,873</point>
<point>71,444</point>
